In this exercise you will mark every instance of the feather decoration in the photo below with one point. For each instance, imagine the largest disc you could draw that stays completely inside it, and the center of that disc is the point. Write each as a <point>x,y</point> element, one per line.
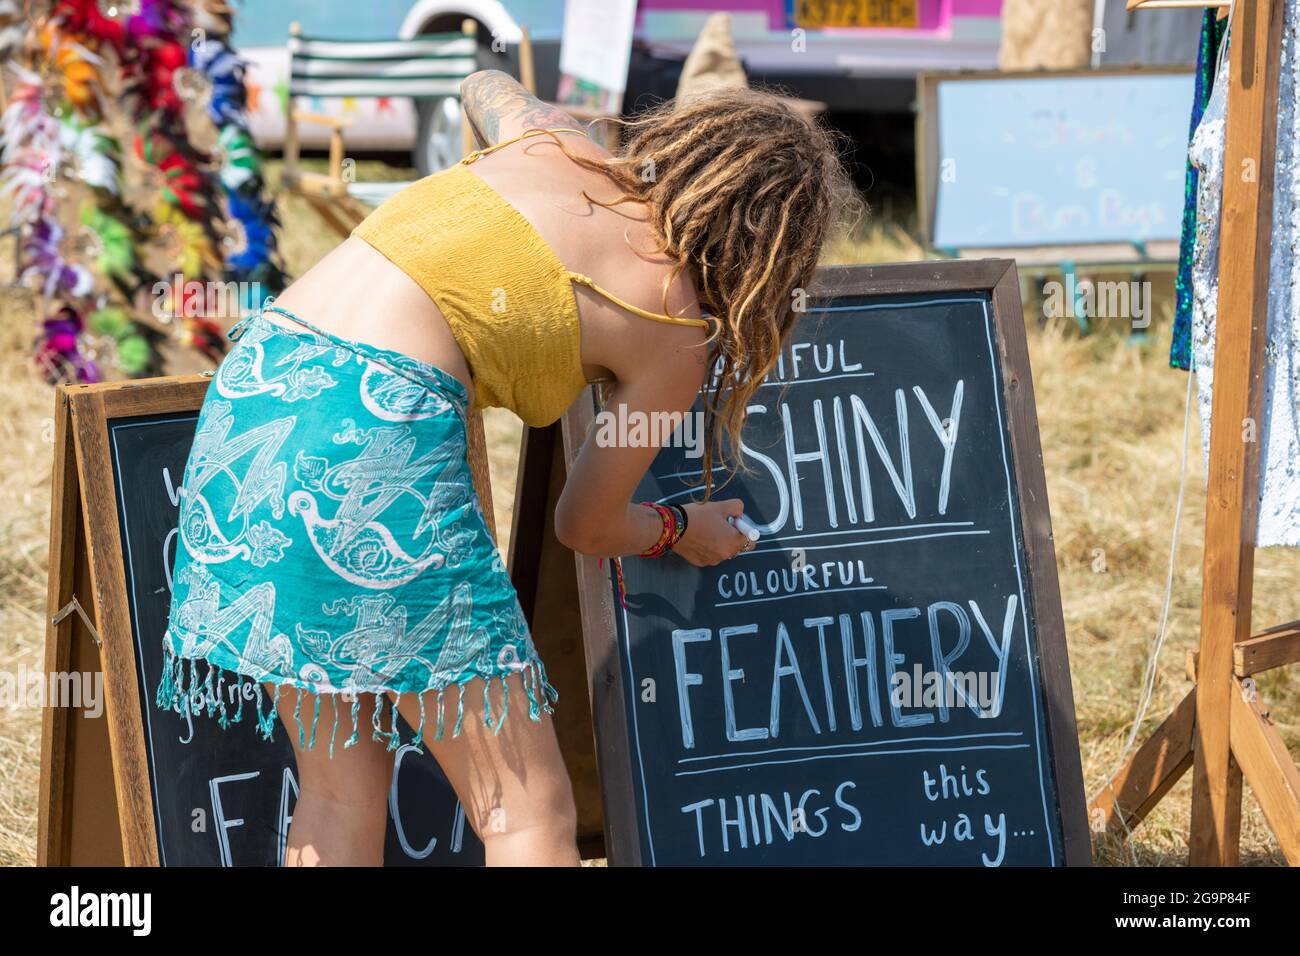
<point>91,150</point>
<point>29,149</point>
<point>181,180</point>
<point>188,243</point>
<point>85,18</point>
<point>58,352</point>
<point>250,252</point>
<point>115,245</point>
<point>133,352</point>
<point>256,238</point>
<point>225,73</point>
<point>157,19</point>
<point>213,16</point>
<point>241,164</point>
<point>43,259</point>
<point>77,67</point>
<point>55,130</point>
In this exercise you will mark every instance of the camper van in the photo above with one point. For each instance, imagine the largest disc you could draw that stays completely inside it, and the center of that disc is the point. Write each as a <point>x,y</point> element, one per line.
<point>849,54</point>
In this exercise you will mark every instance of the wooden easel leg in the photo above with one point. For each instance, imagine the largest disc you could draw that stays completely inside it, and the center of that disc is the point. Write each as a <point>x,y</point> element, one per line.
<point>1230,733</point>
<point>353,211</point>
<point>1233,473</point>
<point>532,499</point>
<point>1149,774</point>
<point>328,213</point>
<point>544,573</point>
<point>478,467</point>
<point>1272,774</point>
<point>1216,779</point>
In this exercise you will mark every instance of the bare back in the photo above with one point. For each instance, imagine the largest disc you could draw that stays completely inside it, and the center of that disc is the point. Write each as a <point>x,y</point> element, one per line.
<point>355,292</point>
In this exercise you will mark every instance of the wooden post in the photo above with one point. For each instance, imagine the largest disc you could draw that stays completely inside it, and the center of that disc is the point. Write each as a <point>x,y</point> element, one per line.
<point>1235,431</point>
<point>527,74</point>
<point>1220,728</point>
<point>467,137</point>
<point>290,124</point>
<point>336,158</point>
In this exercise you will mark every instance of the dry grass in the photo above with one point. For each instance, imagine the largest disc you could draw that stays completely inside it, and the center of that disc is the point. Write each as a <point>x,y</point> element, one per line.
<point>1111,417</point>
<point>26,423</point>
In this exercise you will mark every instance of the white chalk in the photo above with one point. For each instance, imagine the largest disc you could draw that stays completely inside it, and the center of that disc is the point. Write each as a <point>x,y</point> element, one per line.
<point>741,524</point>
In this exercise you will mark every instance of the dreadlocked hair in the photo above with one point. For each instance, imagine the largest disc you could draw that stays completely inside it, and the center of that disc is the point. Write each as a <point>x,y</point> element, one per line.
<point>742,191</point>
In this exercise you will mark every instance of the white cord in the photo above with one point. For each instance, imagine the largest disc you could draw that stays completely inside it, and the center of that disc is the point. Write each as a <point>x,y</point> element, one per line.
<point>1162,632</point>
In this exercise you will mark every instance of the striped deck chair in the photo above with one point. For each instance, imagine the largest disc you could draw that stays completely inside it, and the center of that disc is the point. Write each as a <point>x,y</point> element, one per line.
<point>428,66</point>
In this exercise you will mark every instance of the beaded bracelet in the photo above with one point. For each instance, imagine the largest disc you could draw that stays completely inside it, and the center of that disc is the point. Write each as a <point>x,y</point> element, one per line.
<point>680,511</point>
<point>667,536</point>
<point>674,526</point>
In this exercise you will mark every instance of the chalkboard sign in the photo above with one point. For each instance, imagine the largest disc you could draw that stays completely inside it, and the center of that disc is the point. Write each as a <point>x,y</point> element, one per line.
<point>211,797</point>
<point>1052,159</point>
<point>883,679</point>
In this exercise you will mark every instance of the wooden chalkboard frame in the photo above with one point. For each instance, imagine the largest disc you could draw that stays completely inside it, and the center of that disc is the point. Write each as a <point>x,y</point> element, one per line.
<point>84,518</point>
<point>998,279</point>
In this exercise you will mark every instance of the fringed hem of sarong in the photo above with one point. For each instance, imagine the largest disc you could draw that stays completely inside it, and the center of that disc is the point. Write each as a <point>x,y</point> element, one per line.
<point>182,689</point>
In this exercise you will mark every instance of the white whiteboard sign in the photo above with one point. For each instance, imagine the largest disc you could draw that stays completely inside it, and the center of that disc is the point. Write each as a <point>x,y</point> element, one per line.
<point>595,52</point>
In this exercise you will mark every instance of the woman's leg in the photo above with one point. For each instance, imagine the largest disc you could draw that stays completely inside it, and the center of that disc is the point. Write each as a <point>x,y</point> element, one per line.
<point>513,785</point>
<point>342,810</point>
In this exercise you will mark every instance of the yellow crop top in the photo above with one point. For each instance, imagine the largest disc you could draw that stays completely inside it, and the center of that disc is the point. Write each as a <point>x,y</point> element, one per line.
<point>505,293</point>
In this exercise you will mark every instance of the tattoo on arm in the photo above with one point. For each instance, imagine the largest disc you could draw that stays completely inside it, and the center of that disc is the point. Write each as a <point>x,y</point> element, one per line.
<point>491,97</point>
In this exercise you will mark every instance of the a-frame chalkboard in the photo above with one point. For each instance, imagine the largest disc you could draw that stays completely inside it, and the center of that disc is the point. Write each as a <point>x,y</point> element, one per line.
<point>696,765</point>
<point>138,785</point>
<point>742,712</point>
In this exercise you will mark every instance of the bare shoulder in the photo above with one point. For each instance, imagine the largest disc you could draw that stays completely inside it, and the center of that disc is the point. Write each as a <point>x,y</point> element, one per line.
<point>635,271</point>
<point>635,347</point>
<point>628,258</point>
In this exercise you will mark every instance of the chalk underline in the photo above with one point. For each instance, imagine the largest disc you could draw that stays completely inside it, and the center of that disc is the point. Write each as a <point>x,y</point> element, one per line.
<point>813,381</point>
<point>850,756</point>
<point>859,744</point>
<point>810,593</point>
<point>862,544</point>
<point>882,528</point>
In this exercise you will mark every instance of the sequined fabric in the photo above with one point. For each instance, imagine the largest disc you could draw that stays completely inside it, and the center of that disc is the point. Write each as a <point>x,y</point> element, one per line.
<point>1279,432</point>
<point>1180,349</point>
<point>1206,156</point>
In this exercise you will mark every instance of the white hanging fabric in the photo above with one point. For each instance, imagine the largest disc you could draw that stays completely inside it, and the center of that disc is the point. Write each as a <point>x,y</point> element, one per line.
<point>1279,432</point>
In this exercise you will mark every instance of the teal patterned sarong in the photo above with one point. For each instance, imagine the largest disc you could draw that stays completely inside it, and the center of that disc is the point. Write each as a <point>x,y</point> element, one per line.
<point>331,539</point>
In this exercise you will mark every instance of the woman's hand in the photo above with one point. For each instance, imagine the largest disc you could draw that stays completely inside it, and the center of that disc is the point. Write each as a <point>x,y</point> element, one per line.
<point>709,539</point>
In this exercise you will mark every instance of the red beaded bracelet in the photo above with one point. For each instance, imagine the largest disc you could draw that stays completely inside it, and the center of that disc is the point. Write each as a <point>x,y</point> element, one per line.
<point>668,536</point>
<point>674,526</point>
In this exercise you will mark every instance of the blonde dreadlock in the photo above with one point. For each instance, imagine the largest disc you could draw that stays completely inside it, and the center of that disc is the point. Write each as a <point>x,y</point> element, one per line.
<point>742,191</point>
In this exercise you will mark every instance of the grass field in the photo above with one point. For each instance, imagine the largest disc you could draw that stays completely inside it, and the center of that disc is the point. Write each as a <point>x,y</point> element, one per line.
<point>1111,417</point>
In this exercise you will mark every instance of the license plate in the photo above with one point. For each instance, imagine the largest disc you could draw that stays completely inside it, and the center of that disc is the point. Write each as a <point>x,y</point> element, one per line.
<point>855,13</point>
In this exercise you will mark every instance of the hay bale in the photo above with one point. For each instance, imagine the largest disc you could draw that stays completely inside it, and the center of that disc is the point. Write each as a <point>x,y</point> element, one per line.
<point>1045,34</point>
<point>712,63</point>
